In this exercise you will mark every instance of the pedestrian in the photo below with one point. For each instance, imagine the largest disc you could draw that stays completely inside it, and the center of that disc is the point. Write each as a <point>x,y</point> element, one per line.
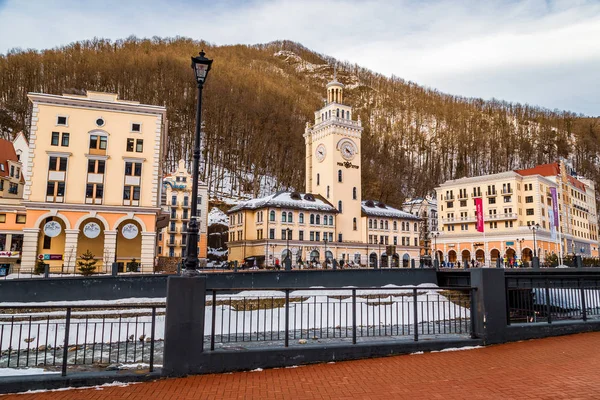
<point>277,263</point>
<point>472,263</point>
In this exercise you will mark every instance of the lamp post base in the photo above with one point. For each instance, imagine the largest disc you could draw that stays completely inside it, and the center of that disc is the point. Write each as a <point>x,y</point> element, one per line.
<point>190,273</point>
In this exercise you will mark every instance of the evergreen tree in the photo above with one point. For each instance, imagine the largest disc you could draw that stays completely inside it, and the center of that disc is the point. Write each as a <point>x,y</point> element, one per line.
<point>87,264</point>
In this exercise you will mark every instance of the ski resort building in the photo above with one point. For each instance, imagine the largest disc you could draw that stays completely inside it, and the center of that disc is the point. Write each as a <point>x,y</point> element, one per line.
<point>176,200</point>
<point>330,220</point>
<point>552,196</point>
<point>92,181</point>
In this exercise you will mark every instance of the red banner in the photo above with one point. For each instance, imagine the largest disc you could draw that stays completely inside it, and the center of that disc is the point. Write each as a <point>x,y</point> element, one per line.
<point>479,213</point>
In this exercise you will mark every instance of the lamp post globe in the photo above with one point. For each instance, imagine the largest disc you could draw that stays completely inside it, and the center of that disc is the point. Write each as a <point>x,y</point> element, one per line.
<point>201,66</point>
<point>534,228</point>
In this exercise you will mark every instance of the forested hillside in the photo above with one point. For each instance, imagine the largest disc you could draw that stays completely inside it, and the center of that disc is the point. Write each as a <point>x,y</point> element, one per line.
<point>258,99</point>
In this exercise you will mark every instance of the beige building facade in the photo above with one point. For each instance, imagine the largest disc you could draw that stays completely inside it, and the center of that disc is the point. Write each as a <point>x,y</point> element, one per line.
<point>513,202</point>
<point>93,181</point>
<point>329,221</point>
<point>177,197</point>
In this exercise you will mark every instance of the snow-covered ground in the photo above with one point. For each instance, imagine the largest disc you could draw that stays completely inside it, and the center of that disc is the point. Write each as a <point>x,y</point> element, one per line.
<point>216,216</point>
<point>568,298</point>
<point>25,371</point>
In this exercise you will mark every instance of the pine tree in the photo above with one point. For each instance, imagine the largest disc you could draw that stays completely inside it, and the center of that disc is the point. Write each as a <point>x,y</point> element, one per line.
<point>87,264</point>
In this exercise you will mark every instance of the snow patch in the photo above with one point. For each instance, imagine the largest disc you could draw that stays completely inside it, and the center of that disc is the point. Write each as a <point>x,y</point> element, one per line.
<point>25,371</point>
<point>216,216</point>
<point>97,387</point>
<point>257,370</point>
<point>458,349</point>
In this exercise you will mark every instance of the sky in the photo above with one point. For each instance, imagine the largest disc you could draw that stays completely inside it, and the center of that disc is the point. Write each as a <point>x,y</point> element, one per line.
<point>541,52</point>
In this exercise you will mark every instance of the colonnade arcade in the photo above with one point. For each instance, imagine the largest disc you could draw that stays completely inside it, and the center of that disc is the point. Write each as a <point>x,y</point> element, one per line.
<point>58,242</point>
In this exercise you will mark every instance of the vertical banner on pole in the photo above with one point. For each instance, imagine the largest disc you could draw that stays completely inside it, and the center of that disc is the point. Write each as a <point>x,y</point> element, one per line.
<point>479,213</point>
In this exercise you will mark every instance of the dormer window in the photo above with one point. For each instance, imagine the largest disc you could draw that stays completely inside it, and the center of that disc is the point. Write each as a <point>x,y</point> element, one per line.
<point>61,120</point>
<point>136,127</point>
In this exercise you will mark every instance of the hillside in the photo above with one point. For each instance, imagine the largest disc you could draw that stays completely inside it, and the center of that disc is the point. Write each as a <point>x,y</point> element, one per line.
<point>259,98</point>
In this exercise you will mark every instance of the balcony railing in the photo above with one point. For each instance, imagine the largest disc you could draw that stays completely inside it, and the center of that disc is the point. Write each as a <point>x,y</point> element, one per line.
<point>507,191</point>
<point>501,216</point>
<point>462,196</point>
<point>491,194</point>
<point>474,195</point>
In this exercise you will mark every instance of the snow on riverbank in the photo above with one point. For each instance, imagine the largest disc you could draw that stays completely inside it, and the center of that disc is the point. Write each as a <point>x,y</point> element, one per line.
<point>25,371</point>
<point>265,312</point>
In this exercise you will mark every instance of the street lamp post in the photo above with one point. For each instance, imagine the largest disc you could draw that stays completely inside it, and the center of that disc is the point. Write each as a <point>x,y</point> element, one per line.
<point>288,263</point>
<point>201,65</point>
<point>520,247</point>
<point>379,253</point>
<point>325,243</point>
<point>536,261</point>
<point>436,261</point>
<point>273,252</point>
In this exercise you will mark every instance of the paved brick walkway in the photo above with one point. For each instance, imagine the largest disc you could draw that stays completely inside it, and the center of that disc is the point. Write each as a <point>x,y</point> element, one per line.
<point>565,367</point>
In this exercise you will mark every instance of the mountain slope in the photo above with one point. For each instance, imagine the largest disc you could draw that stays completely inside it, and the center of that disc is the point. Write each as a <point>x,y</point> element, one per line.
<point>258,99</point>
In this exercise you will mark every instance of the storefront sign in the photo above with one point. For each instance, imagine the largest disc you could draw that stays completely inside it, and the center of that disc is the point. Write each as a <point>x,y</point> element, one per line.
<point>50,257</point>
<point>9,254</point>
<point>510,243</point>
<point>91,230</point>
<point>52,229</point>
<point>129,231</point>
<point>347,164</point>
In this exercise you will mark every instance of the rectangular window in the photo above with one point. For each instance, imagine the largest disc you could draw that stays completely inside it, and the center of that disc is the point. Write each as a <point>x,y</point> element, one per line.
<point>55,138</point>
<point>47,242</point>
<point>136,127</point>
<point>272,234</point>
<point>21,219</point>
<point>61,120</point>
<point>93,141</point>
<point>312,236</point>
<point>139,145</point>
<point>2,218</point>
<point>65,140</point>
<point>130,144</point>
<point>528,199</point>
<point>318,236</point>
<point>492,200</point>
<point>529,211</point>
<point>301,235</point>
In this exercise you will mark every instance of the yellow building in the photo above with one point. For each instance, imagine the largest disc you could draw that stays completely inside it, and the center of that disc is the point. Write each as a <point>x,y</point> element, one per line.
<point>329,221</point>
<point>177,195</point>
<point>93,180</point>
<point>12,214</point>
<point>512,202</point>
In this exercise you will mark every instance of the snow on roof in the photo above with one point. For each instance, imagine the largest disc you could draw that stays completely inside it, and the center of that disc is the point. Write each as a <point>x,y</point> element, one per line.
<point>376,208</point>
<point>216,216</point>
<point>303,201</point>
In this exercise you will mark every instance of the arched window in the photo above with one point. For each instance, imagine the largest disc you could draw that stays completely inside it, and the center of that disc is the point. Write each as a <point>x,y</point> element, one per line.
<point>272,215</point>
<point>318,220</point>
<point>370,223</point>
<point>318,179</point>
<point>395,225</point>
<point>301,218</point>
<point>338,113</point>
<point>386,225</point>
<point>348,115</point>
<point>342,113</point>
<point>339,175</point>
<point>354,193</point>
<point>327,191</point>
<point>329,114</point>
<point>331,220</point>
<point>324,219</point>
<point>354,223</point>
<point>290,217</point>
<point>416,227</point>
<point>312,218</point>
<point>380,224</point>
<point>283,216</point>
<point>340,206</point>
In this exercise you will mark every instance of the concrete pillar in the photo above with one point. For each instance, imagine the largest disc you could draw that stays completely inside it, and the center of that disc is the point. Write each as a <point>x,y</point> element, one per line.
<point>490,304</point>
<point>184,326</point>
<point>71,251</point>
<point>110,245</point>
<point>148,251</point>
<point>29,252</point>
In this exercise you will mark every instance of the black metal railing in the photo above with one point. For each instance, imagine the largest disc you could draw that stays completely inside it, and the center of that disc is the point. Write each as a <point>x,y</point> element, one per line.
<point>535,298</point>
<point>81,336</point>
<point>336,314</point>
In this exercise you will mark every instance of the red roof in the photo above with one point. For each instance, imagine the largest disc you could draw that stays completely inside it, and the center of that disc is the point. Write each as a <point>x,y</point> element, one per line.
<point>551,170</point>
<point>543,170</point>
<point>7,152</point>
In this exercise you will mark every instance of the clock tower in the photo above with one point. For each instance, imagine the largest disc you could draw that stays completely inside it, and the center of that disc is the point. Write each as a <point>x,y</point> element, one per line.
<point>333,167</point>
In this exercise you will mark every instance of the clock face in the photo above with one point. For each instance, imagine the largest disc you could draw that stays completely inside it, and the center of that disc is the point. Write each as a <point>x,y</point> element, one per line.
<point>320,153</point>
<point>347,150</point>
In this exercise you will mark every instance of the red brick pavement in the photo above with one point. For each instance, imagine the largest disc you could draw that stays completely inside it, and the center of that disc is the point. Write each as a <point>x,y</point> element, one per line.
<point>566,367</point>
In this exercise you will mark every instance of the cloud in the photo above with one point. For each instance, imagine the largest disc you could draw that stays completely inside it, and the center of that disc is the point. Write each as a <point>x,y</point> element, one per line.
<point>541,51</point>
